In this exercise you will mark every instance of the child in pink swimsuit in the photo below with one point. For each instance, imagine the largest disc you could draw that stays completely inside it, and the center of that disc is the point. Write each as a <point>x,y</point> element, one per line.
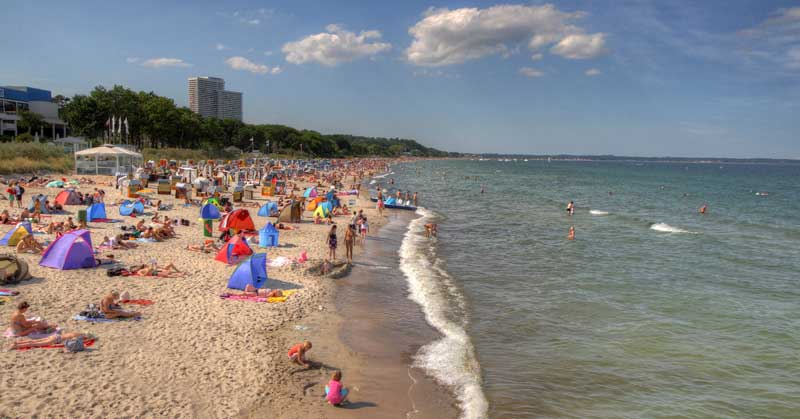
<point>335,393</point>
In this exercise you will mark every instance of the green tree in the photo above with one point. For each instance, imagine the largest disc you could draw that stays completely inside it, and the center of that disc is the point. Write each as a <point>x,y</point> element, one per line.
<point>30,122</point>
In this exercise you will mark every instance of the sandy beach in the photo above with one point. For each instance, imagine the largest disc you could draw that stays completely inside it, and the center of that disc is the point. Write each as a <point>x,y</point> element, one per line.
<point>193,354</point>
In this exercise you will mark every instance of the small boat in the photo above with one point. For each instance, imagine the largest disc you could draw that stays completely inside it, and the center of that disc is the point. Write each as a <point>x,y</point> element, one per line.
<point>395,206</point>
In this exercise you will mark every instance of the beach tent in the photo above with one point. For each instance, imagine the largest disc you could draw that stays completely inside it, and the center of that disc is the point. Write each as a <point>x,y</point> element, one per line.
<point>17,268</point>
<point>310,193</point>
<point>56,184</point>
<point>312,205</point>
<point>68,197</point>
<point>252,271</point>
<point>268,210</point>
<point>131,207</point>
<point>73,250</point>
<point>16,234</point>
<point>321,212</point>
<point>42,203</point>
<point>268,236</point>
<point>238,220</point>
<point>210,212</point>
<point>291,213</point>
<point>234,251</point>
<point>96,212</point>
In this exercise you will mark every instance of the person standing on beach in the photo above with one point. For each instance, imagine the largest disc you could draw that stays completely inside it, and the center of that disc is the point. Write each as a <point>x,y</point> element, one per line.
<point>332,243</point>
<point>349,241</point>
<point>12,195</point>
<point>19,191</point>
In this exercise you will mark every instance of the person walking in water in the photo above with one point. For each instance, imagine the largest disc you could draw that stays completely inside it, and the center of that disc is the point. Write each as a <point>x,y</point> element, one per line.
<point>571,234</point>
<point>703,209</point>
<point>415,199</point>
<point>570,208</point>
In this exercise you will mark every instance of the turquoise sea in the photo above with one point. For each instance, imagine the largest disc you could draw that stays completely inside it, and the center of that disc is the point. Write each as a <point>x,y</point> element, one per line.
<point>654,311</point>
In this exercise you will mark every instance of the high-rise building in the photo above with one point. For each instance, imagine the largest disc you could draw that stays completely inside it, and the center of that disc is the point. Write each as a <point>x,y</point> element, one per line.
<point>208,97</point>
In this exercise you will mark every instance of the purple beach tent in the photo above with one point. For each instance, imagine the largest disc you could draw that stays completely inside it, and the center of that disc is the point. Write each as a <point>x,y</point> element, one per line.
<point>73,250</point>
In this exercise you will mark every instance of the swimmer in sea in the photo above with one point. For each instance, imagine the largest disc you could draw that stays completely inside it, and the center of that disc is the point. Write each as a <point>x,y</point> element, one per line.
<point>482,189</point>
<point>430,229</point>
<point>703,209</point>
<point>570,208</point>
<point>571,234</point>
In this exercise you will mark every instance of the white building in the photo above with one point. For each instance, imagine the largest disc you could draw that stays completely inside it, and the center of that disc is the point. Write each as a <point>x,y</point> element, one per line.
<point>15,99</point>
<point>208,97</point>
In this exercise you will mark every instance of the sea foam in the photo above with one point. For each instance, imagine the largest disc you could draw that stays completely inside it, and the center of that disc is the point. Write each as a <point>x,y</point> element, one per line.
<point>450,360</point>
<point>598,212</point>
<point>666,228</point>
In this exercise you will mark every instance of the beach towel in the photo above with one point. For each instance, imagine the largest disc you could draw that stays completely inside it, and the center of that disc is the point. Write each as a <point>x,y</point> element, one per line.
<point>258,299</point>
<point>137,302</point>
<point>103,319</point>
<point>87,343</point>
<point>7,292</point>
<point>4,300</point>
<point>144,240</point>
<point>279,261</point>
<point>105,220</point>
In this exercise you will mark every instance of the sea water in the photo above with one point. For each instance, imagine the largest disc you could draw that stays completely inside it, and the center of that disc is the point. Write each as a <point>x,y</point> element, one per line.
<point>653,311</point>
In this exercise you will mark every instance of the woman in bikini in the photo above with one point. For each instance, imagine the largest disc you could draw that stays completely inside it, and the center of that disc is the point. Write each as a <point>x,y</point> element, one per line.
<point>332,243</point>
<point>21,326</point>
<point>262,292</point>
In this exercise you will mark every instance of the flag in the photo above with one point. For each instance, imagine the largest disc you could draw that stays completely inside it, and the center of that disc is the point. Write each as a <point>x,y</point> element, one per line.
<point>113,123</point>
<point>127,131</point>
<point>119,125</point>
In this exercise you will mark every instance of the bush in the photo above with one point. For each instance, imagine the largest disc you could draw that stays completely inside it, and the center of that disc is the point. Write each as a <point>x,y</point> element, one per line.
<point>29,157</point>
<point>25,138</point>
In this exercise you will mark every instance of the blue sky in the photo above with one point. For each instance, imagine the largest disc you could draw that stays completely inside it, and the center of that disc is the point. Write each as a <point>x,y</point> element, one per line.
<point>650,78</point>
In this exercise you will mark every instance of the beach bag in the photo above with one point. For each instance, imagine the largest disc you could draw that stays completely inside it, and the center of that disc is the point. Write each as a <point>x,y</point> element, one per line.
<point>115,271</point>
<point>75,345</point>
<point>92,312</point>
<point>184,222</point>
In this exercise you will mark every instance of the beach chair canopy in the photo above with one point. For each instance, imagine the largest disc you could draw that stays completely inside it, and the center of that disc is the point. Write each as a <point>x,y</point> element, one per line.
<point>96,211</point>
<point>73,250</point>
<point>234,251</point>
<point>252,271</point>
<point>16,234</point>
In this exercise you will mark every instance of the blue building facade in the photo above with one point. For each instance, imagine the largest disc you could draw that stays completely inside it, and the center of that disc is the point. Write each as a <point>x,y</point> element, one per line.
<point>16,99</point>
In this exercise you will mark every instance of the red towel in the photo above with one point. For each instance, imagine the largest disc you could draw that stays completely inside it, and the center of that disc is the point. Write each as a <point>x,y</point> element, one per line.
<point>87,343</point>
<point>137,302</point>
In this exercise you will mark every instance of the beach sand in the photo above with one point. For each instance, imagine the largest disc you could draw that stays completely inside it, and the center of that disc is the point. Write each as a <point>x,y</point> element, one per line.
<point>193,354</point>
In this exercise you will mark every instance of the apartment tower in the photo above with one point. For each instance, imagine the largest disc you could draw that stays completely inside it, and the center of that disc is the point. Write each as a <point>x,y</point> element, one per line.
<point>208,97</point>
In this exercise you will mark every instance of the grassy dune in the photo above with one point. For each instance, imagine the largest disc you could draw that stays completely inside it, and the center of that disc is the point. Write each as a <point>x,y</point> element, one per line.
<point>30,157</point>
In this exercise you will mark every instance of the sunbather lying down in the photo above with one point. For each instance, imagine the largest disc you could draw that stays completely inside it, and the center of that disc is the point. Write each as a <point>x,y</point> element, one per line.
<point>167,271</point>
<point>208,246</point>
<point>56,338</point>
<point>262,292</point>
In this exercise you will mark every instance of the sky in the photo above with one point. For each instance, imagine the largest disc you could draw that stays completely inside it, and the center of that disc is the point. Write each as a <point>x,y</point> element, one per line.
<point>623,77</point>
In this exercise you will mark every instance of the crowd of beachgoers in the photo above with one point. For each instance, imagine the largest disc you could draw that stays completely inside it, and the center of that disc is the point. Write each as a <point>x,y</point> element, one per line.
<point>140,303</point>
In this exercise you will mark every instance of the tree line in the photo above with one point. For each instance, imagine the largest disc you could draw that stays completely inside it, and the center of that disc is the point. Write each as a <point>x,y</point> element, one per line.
<point>156,122</point>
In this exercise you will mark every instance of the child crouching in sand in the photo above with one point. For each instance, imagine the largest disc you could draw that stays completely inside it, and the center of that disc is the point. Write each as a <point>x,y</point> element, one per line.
<point>335,393</point>
<point>298,352</point>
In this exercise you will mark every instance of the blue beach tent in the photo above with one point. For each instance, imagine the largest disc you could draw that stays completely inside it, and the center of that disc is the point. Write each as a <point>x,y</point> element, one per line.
<point>96,212</point>
<point>252,271</point>
<point>268,210</point>
<point>268,236</point>
<point>131,207</point>
<point>210,212</point>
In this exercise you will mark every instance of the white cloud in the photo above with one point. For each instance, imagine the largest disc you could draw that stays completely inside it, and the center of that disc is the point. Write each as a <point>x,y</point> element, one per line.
<point>334,47</point>
<point>253,21</point>
<point>268,53</point>
<point>776,40</point>
<point>580,46</point>
<point>131,60</point>
<point>531,72</point>
<point>593,72</point>
<point>445,37</point>
<point>165,62</point>
<point>536,57</point>
<point>221,47</point>
<point>243,64</point>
